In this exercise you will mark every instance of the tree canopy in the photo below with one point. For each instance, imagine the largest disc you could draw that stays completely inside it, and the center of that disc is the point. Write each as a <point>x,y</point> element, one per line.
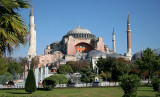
<point>64,69</point>
<point>87,75</point>
<point>114,67</point>
<point>78,66</point>
<point>3,66</point>
<point>13,31</point>
<point>15,67</point>
<point>148,63</point>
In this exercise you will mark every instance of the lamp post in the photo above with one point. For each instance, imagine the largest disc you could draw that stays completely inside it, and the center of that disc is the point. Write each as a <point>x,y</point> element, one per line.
<point>29,62</point>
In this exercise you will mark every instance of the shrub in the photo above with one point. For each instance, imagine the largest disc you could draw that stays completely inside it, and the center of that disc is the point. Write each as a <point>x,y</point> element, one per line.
<point>30,85</point>
<point>156,84</point>
<point>64,69</point>
<point>48,84</point>
<point>53,80</point>
<point>129,84</point>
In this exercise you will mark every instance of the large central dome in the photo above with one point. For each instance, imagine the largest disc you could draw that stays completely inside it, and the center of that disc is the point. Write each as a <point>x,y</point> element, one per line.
<point>79,30</point>
<point>80,33</point>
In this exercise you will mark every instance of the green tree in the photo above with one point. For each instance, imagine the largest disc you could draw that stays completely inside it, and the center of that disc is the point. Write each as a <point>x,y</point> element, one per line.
<point>156,84</point>
<point>87,75</point>
<point>91,65</point>
<point>30,84</point>
<point>3,66</point>
<point>78,66</point>
<point>101,64</point>
<point>103,76</point>
<point>74,65</point>
<point>121,67</point>
<point>64,69</point>
<point>12,28</point>
<point>148,63</point>
<point>15,67</point>
<point>117,67</point>
<point>129,84</point>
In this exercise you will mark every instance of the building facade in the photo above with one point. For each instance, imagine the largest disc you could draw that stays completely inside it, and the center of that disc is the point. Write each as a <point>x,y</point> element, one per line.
<point>79,43</point>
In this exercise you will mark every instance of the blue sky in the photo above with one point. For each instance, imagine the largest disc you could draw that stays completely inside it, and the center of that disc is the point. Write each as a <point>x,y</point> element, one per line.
<point>54,18</point>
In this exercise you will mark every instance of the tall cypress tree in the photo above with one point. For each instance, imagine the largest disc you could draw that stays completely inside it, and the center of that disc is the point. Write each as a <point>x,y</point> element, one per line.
<point>30,85</point>
<point>91,65</point>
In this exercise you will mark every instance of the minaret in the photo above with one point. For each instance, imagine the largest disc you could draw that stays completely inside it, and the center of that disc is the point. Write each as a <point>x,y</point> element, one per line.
<point>113,40</point>
<point>32,37</point>
<point>129,52</point>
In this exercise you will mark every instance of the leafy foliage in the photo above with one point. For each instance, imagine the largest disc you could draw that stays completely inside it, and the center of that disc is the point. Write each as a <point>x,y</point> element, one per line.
<point>129,84</point>
<point>103,76</point>
<point>30,84</point>
<point>3,66</point>
<point>87,75</point>
<point>4,78</point>
<point>121,67</point>
<point>91,65</point>
<point>78,66</point>
<point>12,28</point>
<point>148,63</point>
<point>156,84</point>
<point>117,67</point>
<point>101,63</point>
<point>53,80</point>
<point>64,69</point>
<point>14,67</point>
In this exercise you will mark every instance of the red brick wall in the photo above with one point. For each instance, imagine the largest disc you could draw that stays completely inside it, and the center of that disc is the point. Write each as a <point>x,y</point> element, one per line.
<point>100,44</point>
<point>71,46</point>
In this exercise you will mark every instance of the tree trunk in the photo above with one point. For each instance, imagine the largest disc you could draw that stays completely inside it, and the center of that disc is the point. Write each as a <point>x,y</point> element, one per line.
<point>24,71</point>
<point>149,77</point>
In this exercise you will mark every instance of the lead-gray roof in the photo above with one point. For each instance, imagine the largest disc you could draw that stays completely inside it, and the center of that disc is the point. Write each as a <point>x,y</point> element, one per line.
<point>115,55</point>
<point>79,30</point>
<point>136,56</point>
<point>95,54</point>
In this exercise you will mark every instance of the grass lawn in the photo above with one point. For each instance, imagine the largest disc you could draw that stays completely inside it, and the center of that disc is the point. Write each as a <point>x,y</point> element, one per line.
<point>78,92</point>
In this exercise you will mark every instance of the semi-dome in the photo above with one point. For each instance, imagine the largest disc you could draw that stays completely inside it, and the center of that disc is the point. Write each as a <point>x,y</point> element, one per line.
<point>95,54</point>
<point>137,56</point>
<point>79,30</point>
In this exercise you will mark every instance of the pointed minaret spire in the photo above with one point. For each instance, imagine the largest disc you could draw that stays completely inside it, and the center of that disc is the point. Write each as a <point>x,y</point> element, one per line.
<point>113,30</point>
<point>31,13</point>
<point>113,40</point>
<point>128,22</point>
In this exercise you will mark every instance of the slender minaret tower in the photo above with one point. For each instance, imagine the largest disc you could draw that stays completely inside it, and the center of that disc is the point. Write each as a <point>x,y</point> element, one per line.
<point>129,52</point>
<point>32,37</point>
<point>113,40</point>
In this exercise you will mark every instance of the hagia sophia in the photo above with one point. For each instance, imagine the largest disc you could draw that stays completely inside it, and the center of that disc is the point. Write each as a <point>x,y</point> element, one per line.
<point>78,44</point>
